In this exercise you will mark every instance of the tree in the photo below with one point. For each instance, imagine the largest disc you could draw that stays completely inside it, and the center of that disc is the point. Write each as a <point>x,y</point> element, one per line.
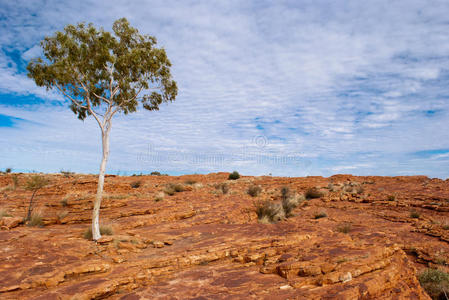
<point>34,183</point>
<point>102,74</point>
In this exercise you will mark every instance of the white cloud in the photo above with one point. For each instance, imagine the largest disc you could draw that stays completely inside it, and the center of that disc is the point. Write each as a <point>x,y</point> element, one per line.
<point>321,79</point>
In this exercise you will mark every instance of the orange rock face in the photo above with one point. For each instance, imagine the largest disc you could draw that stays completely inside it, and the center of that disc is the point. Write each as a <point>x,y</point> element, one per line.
<point>364,238</point>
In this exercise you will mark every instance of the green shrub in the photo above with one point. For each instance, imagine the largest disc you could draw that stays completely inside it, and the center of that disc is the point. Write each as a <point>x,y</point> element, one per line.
<point>36,220</point>
<point>313,193</point>
<point>155,173</point>
<point>67,174</point>
<point>321,214</point>
<point>8,170</point>
<point>344,228</point>
<point>136,184</point>
<point>254,190</point>
<point>234,175</point>
<point>435,283</point>
<point>391,198</point>
<point>414,214</point>
<point>269,212</point>
<point>104,230</point>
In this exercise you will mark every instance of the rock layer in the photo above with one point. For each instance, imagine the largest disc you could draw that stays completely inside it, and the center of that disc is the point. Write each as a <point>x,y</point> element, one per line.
<point>203,244</point>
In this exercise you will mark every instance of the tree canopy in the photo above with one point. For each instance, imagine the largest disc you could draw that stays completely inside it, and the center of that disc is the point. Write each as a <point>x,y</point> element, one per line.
<point>104,73</point>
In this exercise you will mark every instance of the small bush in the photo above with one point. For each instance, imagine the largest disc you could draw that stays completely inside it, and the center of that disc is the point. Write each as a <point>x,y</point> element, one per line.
<point>321,214</point>
<point>414,214</point>
<point>223,187</point>
<point>190,182</point>
<point>63,214</point>
<point>254,190</point>
<point>8,170</point>
<point>344,228</point>
<point>36,220</point>
<point>4,213</point>
<point>136,184</point>
<point>288,204</point>
<point>391,197</point>
<point>64,202</point>
<point>285,192</point>
<point>173,188</point>
<point>159,197</point>
<point>67,174</point>
<point>269,212</point>
<point>435,283</point>
<point>15,181</point>
<point>234,175</point>
<point>104,230</point>
<point>155,173</point>
<point>313,193</point>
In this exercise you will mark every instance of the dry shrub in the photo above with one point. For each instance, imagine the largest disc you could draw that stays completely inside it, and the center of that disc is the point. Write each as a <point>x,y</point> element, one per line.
<point>36,219</point>
<point>313,193</point>
<point>321,214</point>
<point>136,184</point>
<point>223,187</point>
<point>172,188</point>
<point>344,228</point>
<point>269,212</point>
<point>104,230</point>
<point>435,283</point>
<point>159,196</point>
<point>254,190</point>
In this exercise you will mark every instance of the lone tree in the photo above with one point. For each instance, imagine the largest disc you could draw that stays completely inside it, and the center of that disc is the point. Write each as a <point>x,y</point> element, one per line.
<point>35,183</point>
<point>102,74</point>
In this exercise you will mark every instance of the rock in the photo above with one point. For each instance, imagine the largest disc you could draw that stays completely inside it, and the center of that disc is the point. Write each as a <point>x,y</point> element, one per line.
<point>10,222</point>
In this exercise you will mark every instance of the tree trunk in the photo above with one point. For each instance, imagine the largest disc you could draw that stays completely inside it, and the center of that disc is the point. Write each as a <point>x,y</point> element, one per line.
<point>96,212</point>
<point>30,206</point>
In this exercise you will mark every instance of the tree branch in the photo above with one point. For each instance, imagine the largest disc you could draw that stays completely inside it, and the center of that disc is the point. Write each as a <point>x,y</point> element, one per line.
<point>71,99</point>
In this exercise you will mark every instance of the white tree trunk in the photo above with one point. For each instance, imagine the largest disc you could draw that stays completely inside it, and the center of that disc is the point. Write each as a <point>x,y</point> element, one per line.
<point>96,212</point>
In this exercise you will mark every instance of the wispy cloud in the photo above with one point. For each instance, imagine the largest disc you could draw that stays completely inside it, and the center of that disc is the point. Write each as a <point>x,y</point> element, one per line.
<point>335,84</point>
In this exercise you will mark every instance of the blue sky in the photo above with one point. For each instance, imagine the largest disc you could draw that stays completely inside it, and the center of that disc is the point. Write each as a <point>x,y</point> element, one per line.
<point>291,88</point>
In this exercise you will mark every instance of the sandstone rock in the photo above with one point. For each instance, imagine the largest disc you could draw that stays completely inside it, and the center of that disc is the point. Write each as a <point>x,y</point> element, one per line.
<point>10,222</point>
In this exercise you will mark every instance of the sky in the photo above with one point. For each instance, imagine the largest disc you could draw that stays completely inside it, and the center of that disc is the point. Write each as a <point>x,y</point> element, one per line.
<point>288,88</point>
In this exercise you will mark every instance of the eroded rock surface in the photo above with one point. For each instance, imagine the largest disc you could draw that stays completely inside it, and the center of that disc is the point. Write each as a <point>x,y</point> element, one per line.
<point>377,233</point>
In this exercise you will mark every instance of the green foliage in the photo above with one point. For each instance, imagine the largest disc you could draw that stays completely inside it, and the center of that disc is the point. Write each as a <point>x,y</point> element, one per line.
<point>435,283</point>
<point>36,182</point>
<point>234,175</point>
<point>8,170</point>
<point>67,174</point>
<point>104,230</point>
<point>254,190</point>
<point>391,197</point>
<point>313,193</point>
<point>156,173</point>
<point>93,67</point>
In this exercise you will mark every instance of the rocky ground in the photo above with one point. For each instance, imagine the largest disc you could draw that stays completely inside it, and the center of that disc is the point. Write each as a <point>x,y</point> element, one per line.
<point>364,238</point>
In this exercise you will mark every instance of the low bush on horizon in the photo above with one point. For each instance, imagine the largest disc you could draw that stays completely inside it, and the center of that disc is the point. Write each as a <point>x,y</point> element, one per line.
<point>8,170</point>
<point>254,190</point>
<point>313,193</point>
<point>155,173</point>
<point>234,175</point>
<point>67,174</point>
<point>435,283</point>
<point>104,230</point>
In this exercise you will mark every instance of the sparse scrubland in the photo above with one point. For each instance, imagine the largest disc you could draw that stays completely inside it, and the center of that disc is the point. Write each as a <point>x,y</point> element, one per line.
<point>304,238</point>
